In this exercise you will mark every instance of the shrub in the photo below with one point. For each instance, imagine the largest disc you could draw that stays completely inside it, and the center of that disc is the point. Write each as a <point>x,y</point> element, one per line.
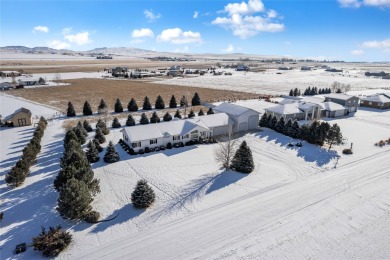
<point>51,243</point>
<point>111,155</point>
<point>147,149</point>
<point>141,151</point>
<point>143,195</point>
<point>91,217</point>
<point>169,146</point>
<point>131,151</point>
<point>347,151</point>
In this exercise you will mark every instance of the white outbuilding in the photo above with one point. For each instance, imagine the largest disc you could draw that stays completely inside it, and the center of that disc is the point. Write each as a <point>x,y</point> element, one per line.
<point>244,118</point>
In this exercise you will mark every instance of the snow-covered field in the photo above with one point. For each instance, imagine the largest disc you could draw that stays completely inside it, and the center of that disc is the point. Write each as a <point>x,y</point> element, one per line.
<point>269,82</point>
<point>299,203</point>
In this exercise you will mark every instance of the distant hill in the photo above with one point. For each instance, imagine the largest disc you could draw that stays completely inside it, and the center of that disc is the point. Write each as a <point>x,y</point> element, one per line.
<point>103,50</point>
<point>24,49</point>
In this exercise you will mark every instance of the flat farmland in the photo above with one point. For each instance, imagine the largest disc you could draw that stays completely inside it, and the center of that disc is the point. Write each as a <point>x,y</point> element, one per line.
<point>93,90</point>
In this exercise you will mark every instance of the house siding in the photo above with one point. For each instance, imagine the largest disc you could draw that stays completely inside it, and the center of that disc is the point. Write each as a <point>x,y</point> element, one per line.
<point>21,119</point>
<point>377,105</point>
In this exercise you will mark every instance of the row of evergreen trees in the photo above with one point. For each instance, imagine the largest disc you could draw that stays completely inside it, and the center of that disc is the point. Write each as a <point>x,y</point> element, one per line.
<point>315,133</point>
<point>310,91</point>
<point>20,171</point>
<point>75,181</point>
<point>132,105</point>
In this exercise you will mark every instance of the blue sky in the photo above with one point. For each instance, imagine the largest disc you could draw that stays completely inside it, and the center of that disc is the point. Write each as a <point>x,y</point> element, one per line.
<point>351,30</point>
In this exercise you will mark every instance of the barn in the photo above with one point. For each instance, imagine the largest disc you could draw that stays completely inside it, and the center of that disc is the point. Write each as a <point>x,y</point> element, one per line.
<point>243,118</point>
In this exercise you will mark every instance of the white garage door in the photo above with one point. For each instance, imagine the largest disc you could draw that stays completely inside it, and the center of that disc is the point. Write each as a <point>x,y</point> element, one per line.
<point>243,126</point>
<point>339,113</point>
<point>253,122</point>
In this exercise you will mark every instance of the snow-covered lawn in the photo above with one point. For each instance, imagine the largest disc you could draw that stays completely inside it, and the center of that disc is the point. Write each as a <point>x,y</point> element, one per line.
<point>298,203</point>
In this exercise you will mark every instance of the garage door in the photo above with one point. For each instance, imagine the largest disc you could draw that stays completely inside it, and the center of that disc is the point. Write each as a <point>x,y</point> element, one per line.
<point>243,126</point>
<point>222,130</point>
<point>339,113</point>
<point>253,122</point>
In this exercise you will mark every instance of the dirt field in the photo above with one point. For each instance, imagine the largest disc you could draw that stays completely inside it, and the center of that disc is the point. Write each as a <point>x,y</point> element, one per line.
<point>94,90</point>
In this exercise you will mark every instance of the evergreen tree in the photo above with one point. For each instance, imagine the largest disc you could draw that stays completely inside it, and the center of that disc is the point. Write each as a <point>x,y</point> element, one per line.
<point>334,136</point>
<point>323,130</point>
<point>177,114</point>
<point>87,110</point>
<point>295,130</point>
<point>132,106</point>
<point>296,92</point>
<point>313,133</point>
<point>87,126</point>
<point>97,145</point>
<point>172,102</point>
<point>146,105</point>
<point>82,129</point>
<point>15,176</point>
<point>144,119</point>
<point>304,132</point>
<point>100,136</point>
<point>195,100</point>
<point>74,200</point>
<point>269,119</point>
<point>280,125</point>
<point>111,155</point>
<point>100,124</point>
<point>102,106</point>
<point>291,93</point>
<point>243,160</point>
<point>70,135</point>
<point>273,122</point>
<point>159,103</point>
<point>288,127</point>
<point>130,120</point>
<point>80,135</point>
<point>115,123</point>
<point>191,114</point>
<point>143,195</point>
<point>167,117</point>
<point>299,93</point>
<point>263,120</point>
<point>154,118</point>
<point>92,153</point>
<point>118,106</point>
<point>51,243</point>
<point>210,111</point>
<point>201,113</point>
<point>70,111</point>
<point>183,101</point>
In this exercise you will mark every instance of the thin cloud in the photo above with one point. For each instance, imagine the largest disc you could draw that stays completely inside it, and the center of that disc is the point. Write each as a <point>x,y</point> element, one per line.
<point>196,13</point>
<point>67,30</point>
<point>377,44</point>
<point>359,3</point>
<point>229,48</point>
<point>40,28</point>
<point>79,38</point>
<point>177,36</point>
<point>357,52</point>
<point>151,16</point>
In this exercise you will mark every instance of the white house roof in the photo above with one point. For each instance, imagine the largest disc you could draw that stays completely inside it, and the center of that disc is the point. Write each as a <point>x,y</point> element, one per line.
<point>232,109</point>
<point>285,109</point>
<point>331,106</point>
<point>338,96</point>
<point>28,80</point>
<point>380,98</point>
<point>314,99</point>
<point>214,120</point>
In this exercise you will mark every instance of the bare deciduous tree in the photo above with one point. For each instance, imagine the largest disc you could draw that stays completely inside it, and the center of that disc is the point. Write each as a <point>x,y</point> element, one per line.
<point>224,152</point>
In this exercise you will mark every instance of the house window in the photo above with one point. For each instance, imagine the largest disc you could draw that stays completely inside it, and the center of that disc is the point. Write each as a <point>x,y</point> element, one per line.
<point>186,136</point>
<point>370,103</point>
<point>194,132</point>
<point>22,121</point>
<point>176,137</point>
<point>135,145</point>
<point>153,141</point>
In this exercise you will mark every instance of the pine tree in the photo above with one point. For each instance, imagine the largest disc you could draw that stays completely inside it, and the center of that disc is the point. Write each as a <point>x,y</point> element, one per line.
<point>191,114</point>
<point>74,200</point>
<point>177,114</point>
<point>51,243</point>
<point>304,132</point>
<point>167,117</point>
<point>146,105</point>
<point>280,125</point>
<point>313,133</point>
<point>323,130</point>
<point>295,93</point>
<point>201,113</point>
<point>97,145</point>
<point>80,135</point>
<point>334,136</point>
<point>172,102</point>
<point>111,155</point>
<point>144,119</point>
<point>102,106</point>
<point>295,130</point>
<point>263,120</point>
<point>273,122</point>
<point>118,108</point>
<point>288,127</point>
<point>115,123</point>
<point>99,135</point>
<point>143,195</point>
<point>70,111</point>
<point>210,111</point>
<point>100,124</point>
<point>132,106</point>
<point>195,100</point>
<point>291,93</point>
<point>183,101</point>
<point>70,135</point>
<point>87,110</point>
<point>159,103</point>
<point>87,126</point>
<point>154,118</point>
<point>16,176</point>
<point>130,120</point>
<point>243,160</point>
<point>82,129</point>
<point>92,153</point>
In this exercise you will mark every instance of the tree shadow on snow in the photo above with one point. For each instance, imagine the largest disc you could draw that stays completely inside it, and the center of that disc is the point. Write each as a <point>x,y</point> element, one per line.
<point>124,214</point>
<point>309,152</point>
<point>224,179</point>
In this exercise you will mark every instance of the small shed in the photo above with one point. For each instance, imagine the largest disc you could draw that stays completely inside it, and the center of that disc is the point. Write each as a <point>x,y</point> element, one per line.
<point>244,118</point>
<point>21,117</point>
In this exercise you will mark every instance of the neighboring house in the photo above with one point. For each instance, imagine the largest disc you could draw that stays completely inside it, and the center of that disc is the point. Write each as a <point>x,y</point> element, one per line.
<point>242,67</point>
<point>175,131</point>
<point>175,71</point>
<point>350,102</point>
<point>28,82</point>
<point>331,109</point>
<point>299,110</point>
<point>244,118</point>
<point>9,73</point>
<point>305,68</point>
<point>119,71</point>
<point>380,101</point>
<point>20,117</point>
<point>6,86</point>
